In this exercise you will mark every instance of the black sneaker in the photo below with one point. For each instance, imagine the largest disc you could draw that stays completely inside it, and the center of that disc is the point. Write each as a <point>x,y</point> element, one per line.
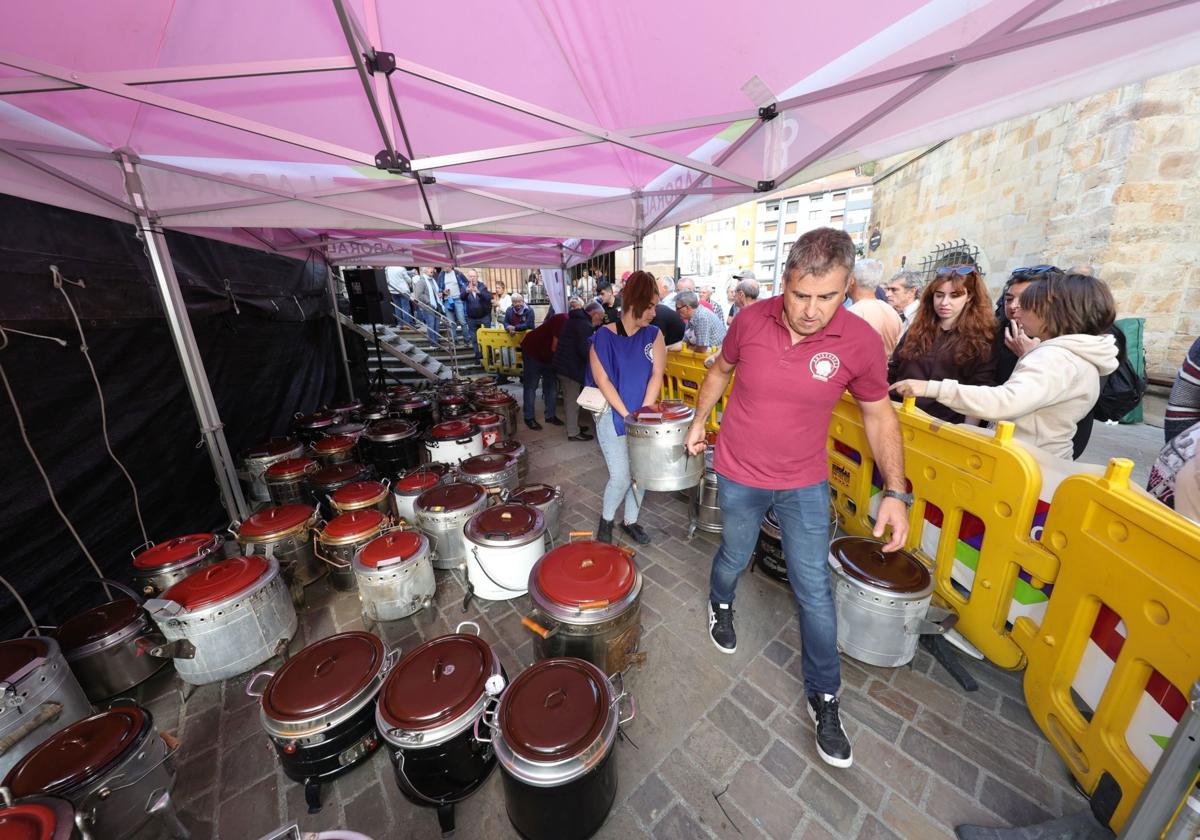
<point>832,743</point>
<point>720,627</point>
<point>554,421</point>
<point>533,424</point>
<point>637,532</point>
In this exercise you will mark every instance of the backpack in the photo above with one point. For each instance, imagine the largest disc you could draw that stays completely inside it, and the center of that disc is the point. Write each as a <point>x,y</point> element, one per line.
<point>1121,390</point>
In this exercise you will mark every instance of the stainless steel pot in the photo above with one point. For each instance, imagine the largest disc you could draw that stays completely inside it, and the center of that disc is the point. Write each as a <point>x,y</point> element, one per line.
<point>516,449</point>
<point>453,441</point>
<point>363,495</point>
<point>257,459</point>
<point>441,514</point>
<point>311,427</point>
<point>284,533</point>
<point>341,538</point>
<point>335,449</point>
<point>287,481</point>
<point>395,575</point>
<point>326,481</point>
<point>658,459</point>
<point>159,566</point>
<point>492,471</point>
<point>547,499</point>
<point>491,425</point>
<point>706,506</point>
<point>41,817</point>
<point>500,403</point>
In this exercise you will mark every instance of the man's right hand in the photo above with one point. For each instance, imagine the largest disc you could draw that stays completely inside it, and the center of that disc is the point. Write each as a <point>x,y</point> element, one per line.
<point>696,440</point>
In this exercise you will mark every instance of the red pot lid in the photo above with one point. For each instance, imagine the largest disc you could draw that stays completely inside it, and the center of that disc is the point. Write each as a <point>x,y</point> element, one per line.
<point>555,709</point>
<point>276,446</point>
<point>317,419</point>
<point>336,474</point>
<point>334,443</point>
<point>416,481</point>
<point>452,429</point>
<point>509,521</point>
<point>585,572</point>
<point>454,496</point>
<point>412,403</point>
<point>513,447</point>
<point>217,582</point>
<point>386,431</point>
<point>533,494</point>
<point>485,418</point>
<point>436,682</point>
<point>29,821</point>
<point>78,753</point>
<point>349,405</point>
<point>489,462</point>
<point>663,412</point>
<point>359,493</point>
<point>396,546</point>
<point>291,468</point>
<point>15,654</point>
<point>452,399</point>
<point>271,521</point>
<point>498,398</point>
<point>96,623</point>
<point>895,571</point>
<point>173,551</point>
<point>400,390</point>
<point>323,676</point>
<point>353,525</point>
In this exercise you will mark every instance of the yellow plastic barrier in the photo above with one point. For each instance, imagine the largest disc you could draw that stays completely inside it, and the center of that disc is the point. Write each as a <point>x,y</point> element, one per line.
<point>501,351</point>
<point>1119,645</point>
<point>681,381</point>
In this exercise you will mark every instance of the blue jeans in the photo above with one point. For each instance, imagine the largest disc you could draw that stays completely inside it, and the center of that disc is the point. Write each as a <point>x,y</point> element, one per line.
<point>534,373</point>
<point>804,521</point>
<point>473,325</point>
<point>431,324</point>
<point>620,485</point>
<point>456,314</point>
<point>403,308</point>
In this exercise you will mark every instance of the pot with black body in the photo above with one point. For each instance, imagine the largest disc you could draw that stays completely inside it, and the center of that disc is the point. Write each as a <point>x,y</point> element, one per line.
<point>340,540</point>
<point>361,495</point>
<point>586,602</point>
<point>348,428</point>
<point>234,616</point>
<point>516,449</point>
<point>374,412</point>
<point>451,406</point>
<point>326,481</point>
<point>392,446</point>
<point>441,513</point>
<point>335,449</point>
<point>416,409</point>
<point>395,575</point>
<point>453,441</point>
<point>768,551</point>
<point>112,766</point>
<point>39,695</point>
<point>492,471</point>
<point>413,483</point>
<point>346,411</point>
<point>104,645</point>
<point>658,458</point>
<point>504,542</point>
<point>555,734</point>
<point>257,459</point>
<point>161,565</point>
<point>311,427</point>
<point>431,711</point>
<point>546,498</point>
<point>287,481</point>
<point>318,709</point>
<point>39,818</point>
<point>498,402</point>
<point>285,533</point>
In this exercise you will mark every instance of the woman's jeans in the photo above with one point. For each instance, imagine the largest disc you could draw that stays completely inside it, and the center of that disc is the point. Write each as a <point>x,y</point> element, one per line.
<point>620,485</point>
<point>803,515</point>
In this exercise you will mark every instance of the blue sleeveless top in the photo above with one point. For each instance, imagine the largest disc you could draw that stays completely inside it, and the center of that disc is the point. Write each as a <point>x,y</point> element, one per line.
<point>628,361</point>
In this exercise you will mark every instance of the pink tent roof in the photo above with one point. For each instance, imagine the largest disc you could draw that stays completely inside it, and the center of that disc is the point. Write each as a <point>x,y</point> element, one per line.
<point>542,132</point>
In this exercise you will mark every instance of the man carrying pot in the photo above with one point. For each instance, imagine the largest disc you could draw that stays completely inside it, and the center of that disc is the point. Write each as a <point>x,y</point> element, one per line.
<point>795,355</point>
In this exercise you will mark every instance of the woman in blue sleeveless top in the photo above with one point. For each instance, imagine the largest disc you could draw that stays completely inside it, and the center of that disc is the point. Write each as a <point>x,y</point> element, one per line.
<point>627,360</point>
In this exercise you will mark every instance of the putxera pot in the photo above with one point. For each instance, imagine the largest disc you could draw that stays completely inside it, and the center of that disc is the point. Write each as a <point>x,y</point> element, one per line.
<point>235,614</point>
<point>517,449</point>
<point>658,459</point>
<point>335,449</point>
<point>453,441</point>
<point>413,483</point>
<point>441,513</point>
<point>285,533</point>
<point>287,481</point>
<point>392,446</point>
<point>318,709</point>
<point>548,499</point>
<point>768,551</point>
<point>493,471</point>
<point>257,459</point>
<point>395,575</point>
<point>363,495</point>
<point>504,542</point>
<point>416,409</point>
<point>159,566</point>
<point>342,537</point>
<point>490,424</point>
<point>500,403</point>
<point>326,481</point>
<point>451,406</point>
<point>39,818</point>
<point>311,427</point>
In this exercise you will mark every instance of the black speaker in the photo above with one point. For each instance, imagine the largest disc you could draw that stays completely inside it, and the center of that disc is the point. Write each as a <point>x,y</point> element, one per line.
<point>370,301</point>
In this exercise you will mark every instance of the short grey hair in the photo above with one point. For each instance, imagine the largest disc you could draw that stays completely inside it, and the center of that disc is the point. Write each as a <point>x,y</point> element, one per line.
<point>668,283</point>
<point>518,296</point>
<point>819,252</point>
<point>909,279</point>
<point>685,284</point>
<point>575,303</point>
<point>687,299</point>
<point>868,273</point>
<point>749,288</point>
<point>594,306</point>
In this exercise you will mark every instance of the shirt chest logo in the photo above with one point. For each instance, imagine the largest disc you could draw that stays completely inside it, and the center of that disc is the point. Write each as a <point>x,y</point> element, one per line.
<point>823,366</point>
<point>649,351</point>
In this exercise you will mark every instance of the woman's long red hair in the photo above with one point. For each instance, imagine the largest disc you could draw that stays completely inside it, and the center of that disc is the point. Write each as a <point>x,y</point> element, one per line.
<point>973,332</point>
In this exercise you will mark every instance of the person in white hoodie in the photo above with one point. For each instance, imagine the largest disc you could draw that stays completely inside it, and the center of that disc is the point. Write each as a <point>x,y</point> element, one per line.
<point>1055,384</point>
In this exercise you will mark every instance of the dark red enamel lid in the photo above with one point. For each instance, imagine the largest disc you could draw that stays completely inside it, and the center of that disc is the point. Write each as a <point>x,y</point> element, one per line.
<point>359,493</point>
<point>317,419</point>
<point>15,654</point>
<point>585,572</point>
<point>400,390</point>
<point>555,709</point>
<point>488,462</point>
<point>497,398</point>
<point>452,399</point>
<point>271,521</point>
<point>337,474</point>
<point>895,571</point>
<point>78,753</point>
<point>291,468</point>
<point>436,682</point>
<point>96,623</point>
<point>485,418</point>
<point>508,521</point>
<point>173,551</point>
<point>396,546</point>
<point>349,405</point>
<point>389,430</point>
<point>514,447</point>
<point>663,412</point>
<point>533,494</point>
<point>452,429</point>
<point>453,496</point>
<point>325,675</point>
<point>334,443</point>
<point>353,525</point>
<point>275,446</point>
<point>218,582</point>
<point>416,481</point>
<point>28,821</point>
<point>411,403</point>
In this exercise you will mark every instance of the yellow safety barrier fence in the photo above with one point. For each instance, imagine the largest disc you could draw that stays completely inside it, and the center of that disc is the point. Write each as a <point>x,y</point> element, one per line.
<point>500,350</point>
<point>681,381</point>
<point>1119,645</point>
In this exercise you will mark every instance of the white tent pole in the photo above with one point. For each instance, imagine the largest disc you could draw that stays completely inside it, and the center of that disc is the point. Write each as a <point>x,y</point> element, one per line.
<point>337,326</point>
<point>211,426</point>
<point>640,213</point>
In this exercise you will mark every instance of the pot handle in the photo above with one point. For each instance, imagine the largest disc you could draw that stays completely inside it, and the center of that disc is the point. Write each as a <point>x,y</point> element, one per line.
<point>136,550</point>
<point>537,628</point>
<point>107,790</point>
<point>488,716</point>
<point>583,535</point>
<point>137,599</point>
<point>617,681</point>
<point>250,692</point>
<point>317,553</point>
<point>463,624</point>
<point>594,605</point>
<point>160,648</point>
<point>389,661</point>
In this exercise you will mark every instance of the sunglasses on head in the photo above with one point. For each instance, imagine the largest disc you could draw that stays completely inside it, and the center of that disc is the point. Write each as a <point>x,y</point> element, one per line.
<point>962,270</point>
<point>1031,271</point>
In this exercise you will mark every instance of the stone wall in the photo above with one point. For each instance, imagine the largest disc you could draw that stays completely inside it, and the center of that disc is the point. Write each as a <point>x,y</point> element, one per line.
<point>1111,181</point>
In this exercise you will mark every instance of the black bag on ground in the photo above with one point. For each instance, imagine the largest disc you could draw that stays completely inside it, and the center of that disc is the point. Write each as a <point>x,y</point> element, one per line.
<point>1121,390</point>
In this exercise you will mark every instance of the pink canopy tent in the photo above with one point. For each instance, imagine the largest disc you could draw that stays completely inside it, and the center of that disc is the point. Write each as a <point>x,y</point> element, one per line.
<point>532,133</point>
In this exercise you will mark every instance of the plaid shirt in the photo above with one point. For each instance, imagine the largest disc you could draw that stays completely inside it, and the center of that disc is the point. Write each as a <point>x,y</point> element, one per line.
<point>704,329</point>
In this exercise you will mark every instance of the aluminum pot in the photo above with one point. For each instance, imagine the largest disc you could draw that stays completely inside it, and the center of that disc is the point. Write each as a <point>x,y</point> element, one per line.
<point>326,481</point>
<point>457,387</point>
<point>453,441</point>
<point>392,446</point>
<point>285,533</point>
<point>441,512</point>
<point>347,410</point>
<point>517,449</point>
<point>158,566</point>
<point>547,499</point>
<point>318,709</point>
<point>658,459</point>
<point>504,542</point>
<point>361,495</point>
<point>349,428</point>
<point>555,735</point>
<point>374,412</point>
<point>39,817</point>
<point>105,644</point>
<point>491,425</point>
<point>234,615</point>
<point>483,382</point>
<point>706,511</point>
<point>257,459</point>
<point>395,575</point>
<point>451,406</point>
<point>500,403</point>
<point>39,695</point>
<point>413,483</point>
<point>341,538</point>
<point>335,449</point>
<point>311,427</point>
<point>492,471</point>
<point>112,766</point>
<point>586,602</point>
<point>416,409</point>
<point>287,481</point>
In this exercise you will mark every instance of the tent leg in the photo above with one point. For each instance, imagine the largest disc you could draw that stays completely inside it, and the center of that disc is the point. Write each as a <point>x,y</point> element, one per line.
<point>637,254</point>
<point>337,326</point>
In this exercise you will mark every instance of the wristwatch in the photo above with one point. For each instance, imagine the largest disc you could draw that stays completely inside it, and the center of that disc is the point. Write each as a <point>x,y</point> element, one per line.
<point>896,494</point>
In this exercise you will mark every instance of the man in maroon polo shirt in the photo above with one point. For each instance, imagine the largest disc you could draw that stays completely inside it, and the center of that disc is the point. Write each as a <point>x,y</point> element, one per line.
<point>537,351</point>
<point>795,354</point>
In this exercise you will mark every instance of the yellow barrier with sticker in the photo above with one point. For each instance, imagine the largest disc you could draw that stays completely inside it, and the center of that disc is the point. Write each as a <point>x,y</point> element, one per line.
<point>501,351</point>
<point>684,372</point>
<point>1119,645</point>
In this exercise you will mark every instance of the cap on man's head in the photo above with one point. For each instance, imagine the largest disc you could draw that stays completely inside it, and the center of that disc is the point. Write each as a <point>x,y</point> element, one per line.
<point>748,274</point>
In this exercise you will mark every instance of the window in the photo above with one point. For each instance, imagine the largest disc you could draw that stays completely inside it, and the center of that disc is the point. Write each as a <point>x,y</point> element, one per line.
<point>858,192</point>
<point>773,208</point>
<point>815,199</point>
<point>745,243</point>
<point>835,221</point>
<point>793,206</point>
<point>839,198</point>
<point>770,227</point>
<point>789,227</point>
<point>815,215</point>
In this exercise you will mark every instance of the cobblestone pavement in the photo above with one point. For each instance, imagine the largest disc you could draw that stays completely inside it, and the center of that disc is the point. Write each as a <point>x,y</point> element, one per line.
<point>721,746</point>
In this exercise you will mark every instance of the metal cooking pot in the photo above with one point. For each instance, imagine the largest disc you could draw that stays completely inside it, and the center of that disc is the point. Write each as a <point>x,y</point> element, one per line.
<point>347,410</point>
<point>504,542</point>
<point>453,441</point>
<point>45,817</point>
<point>342,537</point>
<point>392,446</point>
<point>335,449</point>
<point>287,481</point>
<point>362,495</point>
<point>452,405</point>
<point>311,427</point>
<point>658,459</point>
<point>517,450</point>
<point>159,566</point>
<point>491,425</point>
<point>413,483</point>
<point>395,575</point>
<point>547,499</point>
<point>285,533</point>
<point>416,409</point>
<point>257,459</point>
<point>493,471</point>
<point>705,504</point>
<point>499,403</point>
<point>374,412</point>
<point>326,481</point>
<point>441,513</point>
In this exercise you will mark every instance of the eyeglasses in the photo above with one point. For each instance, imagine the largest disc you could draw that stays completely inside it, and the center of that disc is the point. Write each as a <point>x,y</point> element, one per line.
<point>961,270</point>
<point>1031,271</point>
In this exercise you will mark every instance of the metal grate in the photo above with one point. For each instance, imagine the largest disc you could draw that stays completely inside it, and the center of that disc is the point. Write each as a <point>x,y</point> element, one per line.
<point>954,252</point>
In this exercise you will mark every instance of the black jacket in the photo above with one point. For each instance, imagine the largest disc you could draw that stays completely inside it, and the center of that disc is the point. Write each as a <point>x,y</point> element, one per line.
<point>571,356</point>
<point>669,323</point>
<point>481,306</point>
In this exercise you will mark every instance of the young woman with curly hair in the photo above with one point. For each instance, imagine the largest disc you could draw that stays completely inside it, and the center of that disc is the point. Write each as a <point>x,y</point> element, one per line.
<point>950,337</point>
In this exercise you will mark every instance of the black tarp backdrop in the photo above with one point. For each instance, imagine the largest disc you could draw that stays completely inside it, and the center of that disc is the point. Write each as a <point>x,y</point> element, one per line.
<point>272,356</point>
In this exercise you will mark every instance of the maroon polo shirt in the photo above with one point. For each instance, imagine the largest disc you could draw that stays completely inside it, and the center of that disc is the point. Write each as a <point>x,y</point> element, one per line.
<point>776,422</point>
<point>538,343</point>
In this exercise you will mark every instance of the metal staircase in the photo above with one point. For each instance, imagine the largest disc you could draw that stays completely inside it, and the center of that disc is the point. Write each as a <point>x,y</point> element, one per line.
<point>409,356</point>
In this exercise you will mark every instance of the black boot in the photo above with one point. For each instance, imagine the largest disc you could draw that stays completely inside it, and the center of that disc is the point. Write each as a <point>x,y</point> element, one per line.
<point>604,532</point>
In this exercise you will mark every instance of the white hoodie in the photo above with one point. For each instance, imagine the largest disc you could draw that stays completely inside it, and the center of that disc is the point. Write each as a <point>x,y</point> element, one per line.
<point>1051,389</point>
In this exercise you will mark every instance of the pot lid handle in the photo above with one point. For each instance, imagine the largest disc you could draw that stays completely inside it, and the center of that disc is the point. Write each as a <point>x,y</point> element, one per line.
<point>463,624</point>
